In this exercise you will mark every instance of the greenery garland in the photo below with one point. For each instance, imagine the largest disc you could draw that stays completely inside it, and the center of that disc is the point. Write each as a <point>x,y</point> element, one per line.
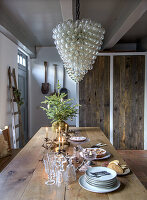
<point>17,96</point>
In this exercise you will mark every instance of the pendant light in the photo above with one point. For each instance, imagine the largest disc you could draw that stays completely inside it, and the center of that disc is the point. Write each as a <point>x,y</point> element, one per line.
<point>78,43</point>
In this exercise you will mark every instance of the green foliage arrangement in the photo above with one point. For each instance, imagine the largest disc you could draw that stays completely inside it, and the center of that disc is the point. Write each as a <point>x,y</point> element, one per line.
<point>58,109</point>
<point>17,96</point>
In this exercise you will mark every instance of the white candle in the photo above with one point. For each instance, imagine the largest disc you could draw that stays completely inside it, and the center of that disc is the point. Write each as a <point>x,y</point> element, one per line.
<point>59,143</point>
<point>56,132</point>
<point>59,130</point>
<point>46,132</point>
<point>66,128</point>
<point>62,143</point>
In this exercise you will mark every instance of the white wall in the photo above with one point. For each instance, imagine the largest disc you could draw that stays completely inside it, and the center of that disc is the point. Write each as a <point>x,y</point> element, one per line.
<point>37,115</point>
<point>8,57</point>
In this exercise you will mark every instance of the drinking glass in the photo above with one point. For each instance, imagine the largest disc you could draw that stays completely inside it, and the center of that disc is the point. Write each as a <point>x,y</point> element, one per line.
<point>70,173</point>
<point>49,169</point>
<point>51,156</point>
<point>59,168</point>
<point>89,156</point>
<point>59,177</point>
<point>76,151</point>
<point>62,161</point>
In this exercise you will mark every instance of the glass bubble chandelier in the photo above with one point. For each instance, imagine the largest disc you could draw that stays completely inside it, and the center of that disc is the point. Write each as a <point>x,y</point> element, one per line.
<point>78,43</point>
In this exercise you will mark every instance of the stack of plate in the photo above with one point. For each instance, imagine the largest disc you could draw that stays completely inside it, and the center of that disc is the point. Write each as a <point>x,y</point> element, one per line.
<point>101,177</point>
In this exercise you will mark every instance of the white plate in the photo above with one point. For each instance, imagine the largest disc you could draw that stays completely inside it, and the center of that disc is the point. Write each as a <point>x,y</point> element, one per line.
<point>127,171</point>
<point>100,183</point>
<point>78,139</point>
<point>96,149</point>
<point>104,157</point>
<point>79,142</point>
<point>91,188</point>
<point>103,186</point>
<point>110,177</point>
<point>97,181</point>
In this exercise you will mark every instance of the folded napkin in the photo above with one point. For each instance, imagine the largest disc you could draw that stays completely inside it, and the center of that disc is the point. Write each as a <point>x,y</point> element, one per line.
<point>99,174</point>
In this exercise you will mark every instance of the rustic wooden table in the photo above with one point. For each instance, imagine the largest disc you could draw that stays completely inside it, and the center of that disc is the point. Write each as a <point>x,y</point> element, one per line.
<point>24,178</point>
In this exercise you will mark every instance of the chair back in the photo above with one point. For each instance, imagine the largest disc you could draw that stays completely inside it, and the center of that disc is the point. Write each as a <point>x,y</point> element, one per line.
<point>6,135</point>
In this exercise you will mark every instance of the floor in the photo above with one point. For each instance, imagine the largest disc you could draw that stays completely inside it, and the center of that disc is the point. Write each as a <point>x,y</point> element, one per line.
<point>5,161</point>
<point>137,161</point>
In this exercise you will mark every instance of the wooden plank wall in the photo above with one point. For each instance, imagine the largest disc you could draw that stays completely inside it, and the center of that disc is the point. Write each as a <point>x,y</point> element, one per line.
<point>128,99</point>
<point>94,96</point>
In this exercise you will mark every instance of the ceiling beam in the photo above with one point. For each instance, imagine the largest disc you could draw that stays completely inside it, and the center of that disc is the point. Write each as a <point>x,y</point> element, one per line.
<point>121,27</point>
<point>31,52</point>
<point>11,26</point>
<point>66,9</point>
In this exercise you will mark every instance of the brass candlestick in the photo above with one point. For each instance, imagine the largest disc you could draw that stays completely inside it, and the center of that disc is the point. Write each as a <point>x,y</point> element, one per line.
<point>61,151</point>
<point>49,144</point>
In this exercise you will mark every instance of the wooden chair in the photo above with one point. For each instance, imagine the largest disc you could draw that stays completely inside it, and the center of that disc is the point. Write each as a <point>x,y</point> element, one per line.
<point>13,152</point>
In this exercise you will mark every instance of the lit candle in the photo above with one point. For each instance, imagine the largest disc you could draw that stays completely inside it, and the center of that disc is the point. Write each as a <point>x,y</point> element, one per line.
<point>59,143</point>
<point>46,132</point>
<point>62,143</point>
<point>90,153</point>
<point>59,130</point>
<point>56,132</point>
<point>65,128</point>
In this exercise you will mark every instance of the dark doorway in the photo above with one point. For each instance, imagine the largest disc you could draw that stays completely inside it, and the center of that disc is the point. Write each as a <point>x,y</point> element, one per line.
<point>23,87</point>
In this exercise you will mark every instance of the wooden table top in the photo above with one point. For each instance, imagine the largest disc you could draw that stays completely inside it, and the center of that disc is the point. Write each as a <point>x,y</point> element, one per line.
<point>24,178</point>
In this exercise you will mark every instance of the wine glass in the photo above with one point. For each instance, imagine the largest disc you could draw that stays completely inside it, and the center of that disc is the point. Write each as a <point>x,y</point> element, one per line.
<point>60,159</point>
<point>63,160</point>
<point>69,175</point>
<point>49,169</point>
<point>89,156</point>
<point>51,156</point>
<point>76,153</point>
<point>59,177</point>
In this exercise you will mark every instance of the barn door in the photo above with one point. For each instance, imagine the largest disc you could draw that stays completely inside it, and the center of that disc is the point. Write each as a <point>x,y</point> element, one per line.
<point>94,96</point>
<point>128,107</point>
